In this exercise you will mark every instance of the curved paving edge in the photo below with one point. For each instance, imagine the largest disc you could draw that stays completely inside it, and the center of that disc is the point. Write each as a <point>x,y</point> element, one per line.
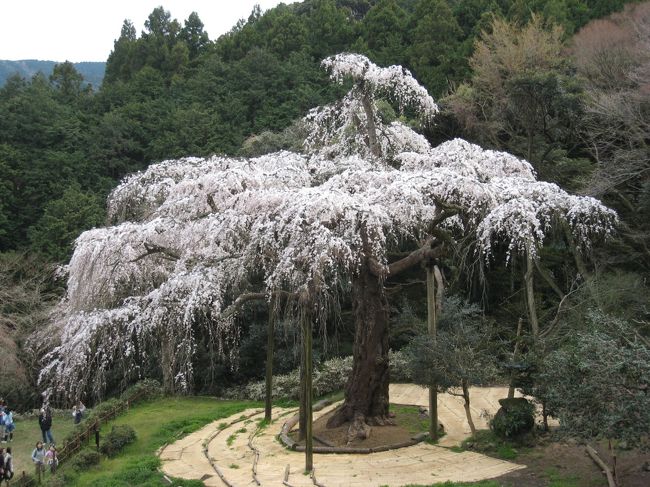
<point>242,454</point>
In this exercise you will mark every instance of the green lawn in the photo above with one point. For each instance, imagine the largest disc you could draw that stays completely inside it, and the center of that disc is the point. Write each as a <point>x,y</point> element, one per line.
<point>26,435</point>
<point>156,422</point>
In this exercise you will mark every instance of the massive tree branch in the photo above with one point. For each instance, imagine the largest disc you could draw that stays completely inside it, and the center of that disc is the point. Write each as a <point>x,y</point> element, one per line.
<point>246,297</point>
<point>423,253</point>
<point>151,249</point>
<point>446,213</point>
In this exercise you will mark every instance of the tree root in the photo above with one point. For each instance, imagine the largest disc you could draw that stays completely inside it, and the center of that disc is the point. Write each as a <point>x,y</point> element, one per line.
<point>361,426</point>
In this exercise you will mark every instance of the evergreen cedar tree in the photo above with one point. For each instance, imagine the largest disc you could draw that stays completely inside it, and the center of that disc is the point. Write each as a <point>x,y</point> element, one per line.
<point>193,239</point>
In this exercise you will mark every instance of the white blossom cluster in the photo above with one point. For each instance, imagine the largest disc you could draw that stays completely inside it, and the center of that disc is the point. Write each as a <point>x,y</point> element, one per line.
<point>191,236</point>
<point>395,82</point>
<point>339,129</point>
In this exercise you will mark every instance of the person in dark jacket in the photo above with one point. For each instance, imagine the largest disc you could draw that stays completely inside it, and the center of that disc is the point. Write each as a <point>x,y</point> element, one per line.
<point>45,422</point>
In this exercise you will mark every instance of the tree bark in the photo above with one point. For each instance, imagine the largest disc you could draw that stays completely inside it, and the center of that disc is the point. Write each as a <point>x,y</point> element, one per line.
<point>373,143</point>
<point>366,393</point>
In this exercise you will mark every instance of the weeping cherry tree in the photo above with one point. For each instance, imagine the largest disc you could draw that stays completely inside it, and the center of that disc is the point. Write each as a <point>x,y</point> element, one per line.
<point>194,239</point>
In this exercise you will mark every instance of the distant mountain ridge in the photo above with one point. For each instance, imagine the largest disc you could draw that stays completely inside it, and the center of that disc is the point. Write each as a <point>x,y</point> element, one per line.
<point>92,72</point>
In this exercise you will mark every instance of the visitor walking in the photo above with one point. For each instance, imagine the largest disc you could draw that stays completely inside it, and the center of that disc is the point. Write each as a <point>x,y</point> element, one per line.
<point>38,457</point>
<point>2,425</point>
<point>45,422</point>
<point>51,459</point>
<point>2,465</point>
<point>78,412</point>
<point>8,466</point>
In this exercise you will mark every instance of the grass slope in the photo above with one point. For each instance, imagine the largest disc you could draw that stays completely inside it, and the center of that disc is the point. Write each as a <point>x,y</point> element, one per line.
<point>26,435</point>
<point>156,423</point>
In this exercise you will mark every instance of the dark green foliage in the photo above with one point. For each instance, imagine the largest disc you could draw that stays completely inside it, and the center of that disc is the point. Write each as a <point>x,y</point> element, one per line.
<point>84,459</point>
<point>63,220</point>
<point>516,417</point>
<point>596,382</point>
<point>434,48</point>
<point>118,438</point>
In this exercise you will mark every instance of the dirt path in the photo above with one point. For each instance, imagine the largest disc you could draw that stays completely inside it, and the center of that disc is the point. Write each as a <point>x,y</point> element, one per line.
<point>240,452</point>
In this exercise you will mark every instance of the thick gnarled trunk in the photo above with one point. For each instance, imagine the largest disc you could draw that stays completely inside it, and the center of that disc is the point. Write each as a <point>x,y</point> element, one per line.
<point>366,393</point>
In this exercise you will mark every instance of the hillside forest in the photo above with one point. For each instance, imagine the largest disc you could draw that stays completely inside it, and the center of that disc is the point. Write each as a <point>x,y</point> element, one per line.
<point>563,84</point>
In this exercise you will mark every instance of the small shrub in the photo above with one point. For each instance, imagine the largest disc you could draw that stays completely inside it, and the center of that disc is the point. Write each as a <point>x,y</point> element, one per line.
<point>145,389</point>
<point>515,418</point>
<point>118,438</point>
<point>101,409</point>
<point>84,459</point>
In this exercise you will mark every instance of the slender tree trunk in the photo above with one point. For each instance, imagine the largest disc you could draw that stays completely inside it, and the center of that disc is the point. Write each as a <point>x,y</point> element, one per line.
<point>468,411</point>
<point>373,142</point>
<point>577,257</point>
<point>530,295</point>
<point>269,361</point>
<point>167,363</point>
<point>366,393</point>
<point>515,354</point>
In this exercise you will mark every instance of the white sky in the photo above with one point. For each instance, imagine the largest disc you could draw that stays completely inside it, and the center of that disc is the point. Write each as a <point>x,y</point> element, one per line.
<point>84,30</point>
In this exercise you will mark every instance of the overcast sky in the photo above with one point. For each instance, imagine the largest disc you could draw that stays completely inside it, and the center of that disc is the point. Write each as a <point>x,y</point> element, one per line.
<point>84,30</point>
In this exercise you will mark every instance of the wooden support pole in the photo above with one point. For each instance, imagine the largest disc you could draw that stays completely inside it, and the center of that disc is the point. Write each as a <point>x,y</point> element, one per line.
<point>307,343</point>
<point>302,411</point>
<point>269,361</point>
<point>432,323</point>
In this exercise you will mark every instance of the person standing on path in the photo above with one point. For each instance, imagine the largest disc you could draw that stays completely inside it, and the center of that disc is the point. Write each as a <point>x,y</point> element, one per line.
<point>38,457</point>
<point>45,422</point>
<point>52,459</point>
<point>10,426</point>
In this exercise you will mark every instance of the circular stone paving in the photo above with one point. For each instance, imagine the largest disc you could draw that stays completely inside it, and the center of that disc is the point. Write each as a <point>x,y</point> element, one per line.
<point>235,451</point>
